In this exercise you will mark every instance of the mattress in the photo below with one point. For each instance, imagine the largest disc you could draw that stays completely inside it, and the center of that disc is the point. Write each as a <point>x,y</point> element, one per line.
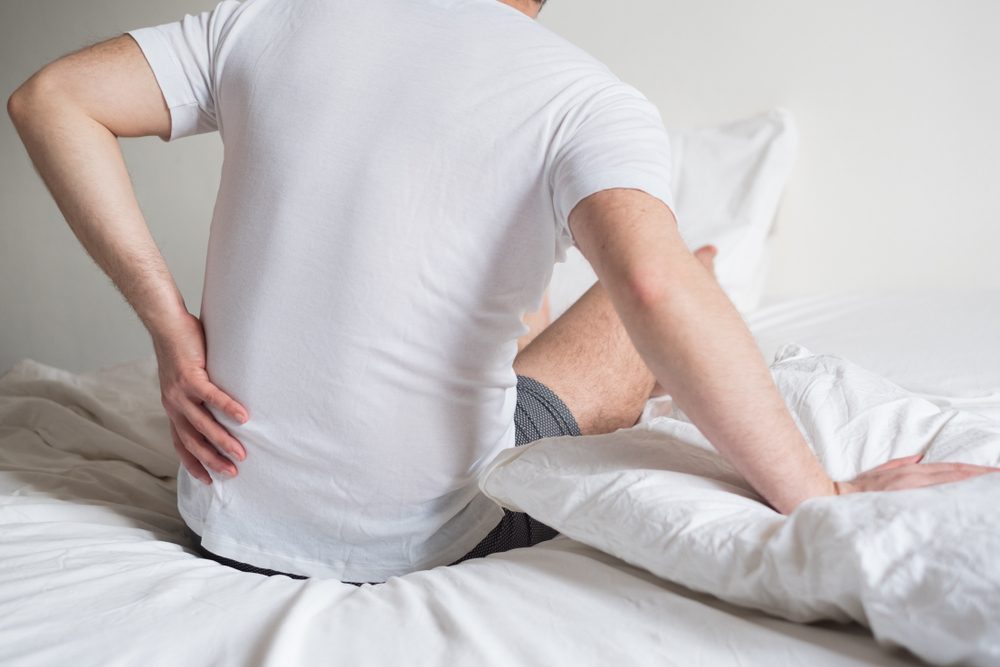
<point>95,566</point>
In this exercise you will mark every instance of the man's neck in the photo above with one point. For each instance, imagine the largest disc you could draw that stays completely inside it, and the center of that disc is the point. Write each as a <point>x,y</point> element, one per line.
<point>529,7</point>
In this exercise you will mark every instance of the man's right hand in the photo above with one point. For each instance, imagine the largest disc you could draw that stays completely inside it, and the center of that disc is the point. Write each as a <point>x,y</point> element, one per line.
<point>908,473</point>
<point>199,438</point>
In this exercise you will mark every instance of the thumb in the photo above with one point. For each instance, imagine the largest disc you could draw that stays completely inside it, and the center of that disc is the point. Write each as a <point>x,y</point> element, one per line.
<point>902,461</point>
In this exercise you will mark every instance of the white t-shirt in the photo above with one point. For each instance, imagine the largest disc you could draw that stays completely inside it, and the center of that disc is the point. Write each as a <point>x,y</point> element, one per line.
<point>393,197</point>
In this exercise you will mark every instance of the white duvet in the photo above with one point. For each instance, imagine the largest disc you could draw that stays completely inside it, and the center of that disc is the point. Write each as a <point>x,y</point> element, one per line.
<point>96,569</point>
<point>921,567</point>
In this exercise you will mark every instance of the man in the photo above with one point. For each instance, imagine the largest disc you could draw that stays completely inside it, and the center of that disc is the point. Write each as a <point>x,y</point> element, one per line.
<point>399,178</point>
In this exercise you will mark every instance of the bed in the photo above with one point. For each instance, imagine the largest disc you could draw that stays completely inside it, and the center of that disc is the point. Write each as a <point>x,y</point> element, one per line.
<point>96,567</point>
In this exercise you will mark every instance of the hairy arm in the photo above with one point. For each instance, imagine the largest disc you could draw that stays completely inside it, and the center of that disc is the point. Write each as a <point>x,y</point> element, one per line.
<point>695,342</point>
<point>69,116</point>
<point>70,130</point>
<point>700,350</point>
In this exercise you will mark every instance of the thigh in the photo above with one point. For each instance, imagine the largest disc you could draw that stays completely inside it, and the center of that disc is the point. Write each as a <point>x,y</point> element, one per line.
<point>540,413</point>
<point>588,359</point>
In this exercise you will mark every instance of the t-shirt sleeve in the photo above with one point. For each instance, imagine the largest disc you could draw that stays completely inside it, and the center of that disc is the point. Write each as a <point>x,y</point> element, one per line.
<point>183,55</point>
<point>618,141</point>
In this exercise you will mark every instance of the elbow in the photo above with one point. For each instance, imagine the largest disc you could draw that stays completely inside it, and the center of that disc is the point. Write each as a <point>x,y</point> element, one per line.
<point>16,105</point>
<point>647,288</point>
<point>20,102</point>
<point>653,282</point>
<point>23,103</point>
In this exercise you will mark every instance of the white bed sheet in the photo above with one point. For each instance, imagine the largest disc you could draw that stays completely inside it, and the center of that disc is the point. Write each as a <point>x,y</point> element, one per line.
<point>95,567</point>
<point>941,344</point>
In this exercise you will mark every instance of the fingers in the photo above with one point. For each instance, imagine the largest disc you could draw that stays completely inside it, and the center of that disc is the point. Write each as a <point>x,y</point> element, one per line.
<point>204,422</point>
<point>706,255</point>
<point>958,469</point>
<point>938,476</point>
<point>902,461</point>
<point>201,437</point>
<point>899,477</point>
<point>195,443</point>
<point>190,463</point>
<point>217,398</point>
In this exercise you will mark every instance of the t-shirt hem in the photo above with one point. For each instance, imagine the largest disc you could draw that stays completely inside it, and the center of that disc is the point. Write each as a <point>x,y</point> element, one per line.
<point>229,548</point>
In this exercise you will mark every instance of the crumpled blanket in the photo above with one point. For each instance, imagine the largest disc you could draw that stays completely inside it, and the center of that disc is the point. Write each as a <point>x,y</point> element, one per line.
<point>920,567</point>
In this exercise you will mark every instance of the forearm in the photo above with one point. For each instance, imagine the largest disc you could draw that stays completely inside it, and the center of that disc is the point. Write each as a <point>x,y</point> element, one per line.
<point>698,347</point>
<point>81,164</point>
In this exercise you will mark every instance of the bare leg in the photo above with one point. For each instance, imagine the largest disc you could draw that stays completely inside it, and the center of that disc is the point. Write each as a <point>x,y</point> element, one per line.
<point>587,358</point>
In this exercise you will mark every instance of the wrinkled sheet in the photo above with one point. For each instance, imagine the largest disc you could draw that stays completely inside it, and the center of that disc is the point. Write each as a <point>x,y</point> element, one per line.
<point>918,566</point>
<point>95,569</point>
<point>939,344</point>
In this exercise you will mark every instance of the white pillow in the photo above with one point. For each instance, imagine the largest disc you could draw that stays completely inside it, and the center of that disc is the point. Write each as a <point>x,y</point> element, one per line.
<point>728,181</point>
<point>918,566</point>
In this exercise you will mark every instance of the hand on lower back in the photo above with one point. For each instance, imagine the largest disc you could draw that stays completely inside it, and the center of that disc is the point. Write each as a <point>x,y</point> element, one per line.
<point>908,473</point>
<point>185,390</point>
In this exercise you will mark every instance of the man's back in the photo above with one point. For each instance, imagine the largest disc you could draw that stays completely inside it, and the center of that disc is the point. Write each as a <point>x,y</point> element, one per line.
<point>394,194</point>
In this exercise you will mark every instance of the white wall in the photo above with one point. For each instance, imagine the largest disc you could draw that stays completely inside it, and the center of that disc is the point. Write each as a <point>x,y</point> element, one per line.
<point>56,306</point>
<point>896,103</point>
